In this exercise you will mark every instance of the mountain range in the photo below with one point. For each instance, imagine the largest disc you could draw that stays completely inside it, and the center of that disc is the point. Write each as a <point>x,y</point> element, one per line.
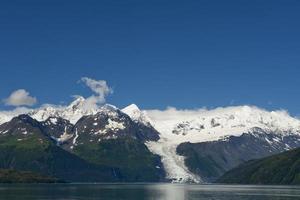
<point>81,144</point>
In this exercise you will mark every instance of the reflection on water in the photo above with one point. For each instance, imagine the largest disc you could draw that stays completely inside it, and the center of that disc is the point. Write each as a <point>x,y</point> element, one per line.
<point>147,192</point>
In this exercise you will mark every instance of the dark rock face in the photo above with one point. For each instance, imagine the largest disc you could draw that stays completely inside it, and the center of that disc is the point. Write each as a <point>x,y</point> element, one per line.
<point>56,126</point>
<point>146,133</point>
<point>210,160</point>
<point>60,130</point>
<point>111,124</point>
<point>22,125</point>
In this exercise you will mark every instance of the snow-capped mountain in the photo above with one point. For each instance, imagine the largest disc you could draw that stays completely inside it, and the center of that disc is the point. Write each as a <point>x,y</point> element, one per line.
<point>200,126</point>
<point>72,112</point>
<point>210,125</point>
<point>222,136</point>
<point>108,123</point>
<point>137,115</point>
<point>23,126</point>
<point>143,122</point>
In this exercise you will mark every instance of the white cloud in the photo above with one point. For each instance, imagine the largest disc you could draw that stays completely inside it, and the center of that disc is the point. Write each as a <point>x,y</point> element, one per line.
<point>20,97</point>
<point>101,90</point>
<point>171,113</point>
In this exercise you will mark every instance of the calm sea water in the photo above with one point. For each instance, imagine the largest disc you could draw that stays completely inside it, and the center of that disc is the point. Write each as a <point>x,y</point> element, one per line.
<point>146,191</point>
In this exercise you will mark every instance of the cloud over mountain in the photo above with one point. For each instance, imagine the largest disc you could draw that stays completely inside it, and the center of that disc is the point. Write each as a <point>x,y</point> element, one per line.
<point>20,97</point>
<point>101,90</point>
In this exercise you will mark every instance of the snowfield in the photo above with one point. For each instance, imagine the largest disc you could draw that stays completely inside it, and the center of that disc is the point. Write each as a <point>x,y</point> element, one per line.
<point>178,126</point>
<point>209,125</point>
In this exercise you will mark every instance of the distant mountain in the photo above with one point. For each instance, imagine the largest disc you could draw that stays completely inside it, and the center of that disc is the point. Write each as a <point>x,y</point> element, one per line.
<point>283,168</point>
<point>73,112</point>
<point>200,145</point>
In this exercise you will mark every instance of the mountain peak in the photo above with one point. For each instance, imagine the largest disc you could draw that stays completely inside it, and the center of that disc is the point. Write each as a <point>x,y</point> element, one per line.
<point>136,114</point>
<point>109,107</point>
<point>73,112</point>
<point>131,108</point>
<point>79,101</point>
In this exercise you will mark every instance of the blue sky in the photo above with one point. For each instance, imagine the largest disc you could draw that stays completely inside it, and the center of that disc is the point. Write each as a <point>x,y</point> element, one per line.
<point>186,54</point>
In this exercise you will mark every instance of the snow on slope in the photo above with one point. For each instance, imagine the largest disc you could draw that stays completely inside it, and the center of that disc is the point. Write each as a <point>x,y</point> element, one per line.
<point>137,115</point>
<point>209,125</point>
<point>177,126</point>
<point>72,112</point>
<point>6,116</point>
